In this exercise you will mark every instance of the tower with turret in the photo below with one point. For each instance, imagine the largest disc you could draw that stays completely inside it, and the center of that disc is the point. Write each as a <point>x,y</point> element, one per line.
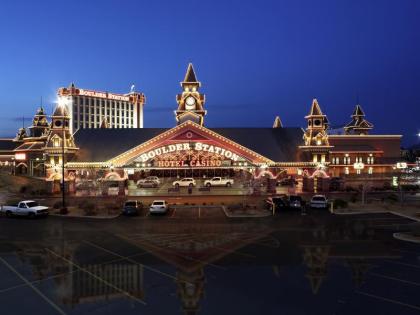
<point>190,101</point>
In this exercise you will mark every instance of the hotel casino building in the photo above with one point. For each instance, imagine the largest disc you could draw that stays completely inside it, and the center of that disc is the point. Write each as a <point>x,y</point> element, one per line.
<point>103,142</point>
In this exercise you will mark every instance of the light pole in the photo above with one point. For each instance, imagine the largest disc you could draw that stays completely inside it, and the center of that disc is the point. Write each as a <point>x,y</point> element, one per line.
<point>359,166</point>
<point>400,166</point>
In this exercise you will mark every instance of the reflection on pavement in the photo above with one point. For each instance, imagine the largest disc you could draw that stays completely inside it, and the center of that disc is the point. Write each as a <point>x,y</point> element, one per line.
<point>186,267</point>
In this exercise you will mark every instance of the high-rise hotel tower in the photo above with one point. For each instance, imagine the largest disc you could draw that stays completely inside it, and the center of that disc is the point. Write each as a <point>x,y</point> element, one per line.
<point>95,109</point>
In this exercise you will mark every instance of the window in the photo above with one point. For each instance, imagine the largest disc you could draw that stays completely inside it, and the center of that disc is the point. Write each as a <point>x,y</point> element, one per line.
<point>56,142</point>
<point>370,170</point>
<point>370,159</point>
<point>346,171</point>
<point>358,171</point>
<point>359,159</point>
<point>347,159</point>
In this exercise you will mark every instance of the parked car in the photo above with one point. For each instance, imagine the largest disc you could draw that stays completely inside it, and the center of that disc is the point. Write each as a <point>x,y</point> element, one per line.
<point>277,203</point>
<point>319,201</point>
<point>296,202</point>
<point>147,184</point>
<point>132,208</point>
<point>149,178</point>
<point>28,208</point>
<point>158,207</point>
<point>185,182</point>
<point>218,181</point>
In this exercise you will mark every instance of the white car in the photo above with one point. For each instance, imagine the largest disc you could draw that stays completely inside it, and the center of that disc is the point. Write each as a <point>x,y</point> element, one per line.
<point>149,178</point>
<point>185,182</point>
<point>28,208</point>
<point>218,181</point>
<point>319,201</point>
<point>158,206</point>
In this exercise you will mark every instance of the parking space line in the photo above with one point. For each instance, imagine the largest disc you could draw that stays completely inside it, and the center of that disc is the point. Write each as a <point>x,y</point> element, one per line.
<point>402,264</point>
<point>65,273</point>
<point>199,212</point>
<point>231,251</point>
<point>27,282</point>
<point>96,277</point>
<point>393,278</point>
<point>388,300</point>
<point>133,261</point>
<point>173,213</point>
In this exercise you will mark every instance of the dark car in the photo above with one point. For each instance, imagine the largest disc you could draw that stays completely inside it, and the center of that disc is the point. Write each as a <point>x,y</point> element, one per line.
<point>296,202</point>
<point>132,208</point>
<point>277,203</point>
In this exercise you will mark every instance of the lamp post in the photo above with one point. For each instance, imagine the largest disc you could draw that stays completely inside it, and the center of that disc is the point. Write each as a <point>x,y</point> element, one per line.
<point>359,166</point>
<point>400,166</point>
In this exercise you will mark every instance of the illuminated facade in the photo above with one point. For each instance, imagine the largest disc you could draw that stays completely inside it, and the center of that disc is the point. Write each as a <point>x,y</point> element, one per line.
<point>95,109</point>
<point>100,157</point>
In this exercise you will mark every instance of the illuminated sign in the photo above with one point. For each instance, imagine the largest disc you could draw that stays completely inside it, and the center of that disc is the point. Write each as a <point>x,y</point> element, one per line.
<point>358,166</point>
<point>401,165</point>
<point>20,156</point>
<point>198,146</point>
<point>192,163</point>
<point>104,95</point>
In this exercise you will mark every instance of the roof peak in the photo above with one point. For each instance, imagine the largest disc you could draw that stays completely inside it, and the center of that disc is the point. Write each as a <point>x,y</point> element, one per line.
<point>190,76</point>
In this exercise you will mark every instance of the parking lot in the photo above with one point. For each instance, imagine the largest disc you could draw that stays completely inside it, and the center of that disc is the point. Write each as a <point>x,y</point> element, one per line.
<point>189,212</point>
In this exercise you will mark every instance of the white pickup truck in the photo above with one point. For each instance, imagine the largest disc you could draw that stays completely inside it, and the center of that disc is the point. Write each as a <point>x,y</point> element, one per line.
<point>218,181</point>
<point>28,208</point>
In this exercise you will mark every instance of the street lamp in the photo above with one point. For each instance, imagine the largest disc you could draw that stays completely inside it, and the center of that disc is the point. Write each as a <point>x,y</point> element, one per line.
<point>359,166</point>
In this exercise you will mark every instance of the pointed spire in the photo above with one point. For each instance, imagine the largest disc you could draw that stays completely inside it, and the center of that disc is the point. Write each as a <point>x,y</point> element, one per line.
<point>277,122</point>
<point>358,112</point>
<point>190,76</point>
<point>315,109</point>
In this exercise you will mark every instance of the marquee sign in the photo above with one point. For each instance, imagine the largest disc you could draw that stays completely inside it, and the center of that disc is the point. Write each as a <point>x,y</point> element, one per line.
<point>104,95</point>
<point>197,146</point>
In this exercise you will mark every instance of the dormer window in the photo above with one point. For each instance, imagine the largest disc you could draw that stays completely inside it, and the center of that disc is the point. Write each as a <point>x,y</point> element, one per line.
<point>56,142</point>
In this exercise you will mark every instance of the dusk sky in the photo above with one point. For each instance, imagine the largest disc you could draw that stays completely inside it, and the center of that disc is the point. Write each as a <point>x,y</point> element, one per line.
<point>255,59</point>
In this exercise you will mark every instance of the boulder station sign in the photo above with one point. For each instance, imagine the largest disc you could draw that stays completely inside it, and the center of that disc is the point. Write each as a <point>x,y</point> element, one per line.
<point>197,146</point>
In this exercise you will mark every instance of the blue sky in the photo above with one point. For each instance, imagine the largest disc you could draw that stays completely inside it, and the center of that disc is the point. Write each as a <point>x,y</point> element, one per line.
<point>255,59</point>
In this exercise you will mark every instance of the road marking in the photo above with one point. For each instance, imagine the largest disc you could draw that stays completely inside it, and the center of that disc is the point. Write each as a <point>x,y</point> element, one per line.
<point>389,300</point>
<point>55,306</point>
<point>133,261</point>
<point>402,264</point>
<point>65,273</point>
<point>173,213</point>
<point>393,278</point>
<point>96,277</point>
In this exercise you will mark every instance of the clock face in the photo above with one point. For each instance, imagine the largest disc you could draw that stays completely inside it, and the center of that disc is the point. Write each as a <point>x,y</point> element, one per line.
<point>190,103</point>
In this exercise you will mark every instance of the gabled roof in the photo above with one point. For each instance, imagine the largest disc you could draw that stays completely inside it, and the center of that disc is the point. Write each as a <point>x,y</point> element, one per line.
<point>8,144</point>
<point>99,145</point>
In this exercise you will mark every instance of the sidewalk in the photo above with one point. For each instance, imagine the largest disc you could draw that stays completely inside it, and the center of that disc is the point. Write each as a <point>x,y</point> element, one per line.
<point>74,212</point>
<point>408,211</point>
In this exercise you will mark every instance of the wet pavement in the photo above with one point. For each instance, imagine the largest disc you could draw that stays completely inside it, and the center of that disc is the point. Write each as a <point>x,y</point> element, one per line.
<point>290,264</point>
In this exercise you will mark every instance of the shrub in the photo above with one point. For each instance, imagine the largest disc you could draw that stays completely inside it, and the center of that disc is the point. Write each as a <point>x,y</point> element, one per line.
<point>58,205</point>
<point>88,207</point>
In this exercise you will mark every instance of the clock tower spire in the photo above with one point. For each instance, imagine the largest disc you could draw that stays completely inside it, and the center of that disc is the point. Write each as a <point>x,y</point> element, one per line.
<point>190,101</point>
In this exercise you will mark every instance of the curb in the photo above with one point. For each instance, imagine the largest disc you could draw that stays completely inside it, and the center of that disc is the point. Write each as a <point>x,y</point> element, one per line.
<point>407,237</point>
<point>98,217</point>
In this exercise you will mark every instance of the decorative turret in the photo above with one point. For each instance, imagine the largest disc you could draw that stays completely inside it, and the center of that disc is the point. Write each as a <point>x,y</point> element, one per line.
<point>21,134</point>
<point>358,125</point>
<point>40,124</point>
<point>59,132</point>
<point>190,101</point>
<point>277,123</point>
<point>316,132</point>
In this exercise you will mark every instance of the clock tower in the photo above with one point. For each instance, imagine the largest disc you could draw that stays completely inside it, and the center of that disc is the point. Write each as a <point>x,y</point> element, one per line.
<point>190,101</point>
